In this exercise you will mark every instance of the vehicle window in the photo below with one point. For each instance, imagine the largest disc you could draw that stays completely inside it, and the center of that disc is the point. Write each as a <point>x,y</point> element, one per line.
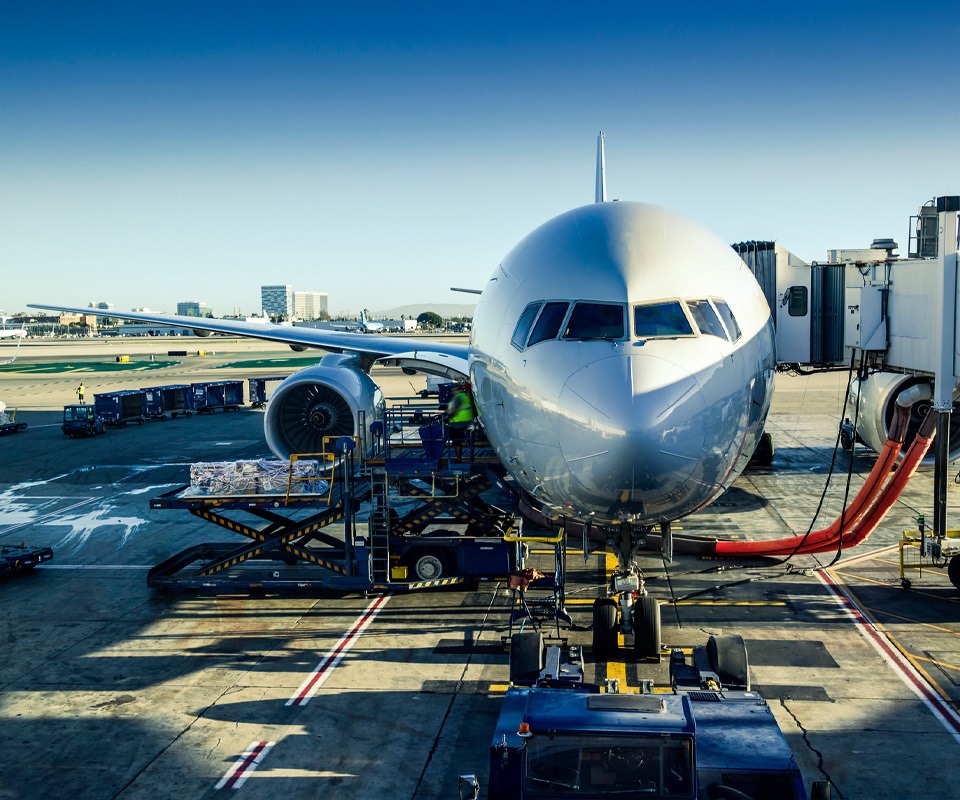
<point>729,320</point>
<point>595,321</point>
<point>661,319</point>
<point>797,301</point>
<point>548,323</point>
<point>705,315</point>
<point>519,338</point>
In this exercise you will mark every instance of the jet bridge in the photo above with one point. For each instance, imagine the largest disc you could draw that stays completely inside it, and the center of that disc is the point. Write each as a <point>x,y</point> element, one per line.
<point>893,318</point>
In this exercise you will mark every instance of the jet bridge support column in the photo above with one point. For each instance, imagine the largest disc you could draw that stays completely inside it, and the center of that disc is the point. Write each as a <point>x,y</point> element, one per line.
<point>945,317</point>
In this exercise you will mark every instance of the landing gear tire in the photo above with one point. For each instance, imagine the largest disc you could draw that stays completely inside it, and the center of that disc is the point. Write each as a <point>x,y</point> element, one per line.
<point>953,571</point>
<point>646,629</point>
<point>605,639</point>
<point>763,455</point>
<point>527,656</point>
<point>728,657</point>
<point>428,566</point>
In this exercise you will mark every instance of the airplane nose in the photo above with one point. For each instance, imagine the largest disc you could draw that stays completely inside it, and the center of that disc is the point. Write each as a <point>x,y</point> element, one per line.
<point>632,430</point>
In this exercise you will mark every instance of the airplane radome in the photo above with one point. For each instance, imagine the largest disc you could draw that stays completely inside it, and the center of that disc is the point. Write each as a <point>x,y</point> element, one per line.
<point>623,364</point>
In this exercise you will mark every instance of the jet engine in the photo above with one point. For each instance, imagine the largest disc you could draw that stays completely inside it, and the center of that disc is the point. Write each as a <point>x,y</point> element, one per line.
<point>878,397</point>
<point>334,398</point>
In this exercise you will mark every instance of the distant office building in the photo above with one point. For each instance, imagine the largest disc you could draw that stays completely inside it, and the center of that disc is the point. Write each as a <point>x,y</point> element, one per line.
<point>309,305</point>
<point>192,308</point>
<point>277,301</point>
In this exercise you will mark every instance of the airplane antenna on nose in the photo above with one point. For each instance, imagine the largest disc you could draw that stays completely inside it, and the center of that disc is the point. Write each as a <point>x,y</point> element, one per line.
<point>601,196</point>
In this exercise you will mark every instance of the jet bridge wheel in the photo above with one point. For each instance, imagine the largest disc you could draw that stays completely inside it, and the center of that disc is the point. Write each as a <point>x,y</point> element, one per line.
<point>527,656</point>
<point>646,629</point>
<point>605,641</point>
<point>953,571</point>
<point>728,657</point>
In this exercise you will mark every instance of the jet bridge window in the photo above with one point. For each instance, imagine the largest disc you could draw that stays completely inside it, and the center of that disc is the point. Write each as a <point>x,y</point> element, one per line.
<point>595,321</point>
<point>796,301</point>
<point>519,338</point>
<point>730,321</point>
<point>661,319</point>
<point>548,323</point>
<point>705,315</point>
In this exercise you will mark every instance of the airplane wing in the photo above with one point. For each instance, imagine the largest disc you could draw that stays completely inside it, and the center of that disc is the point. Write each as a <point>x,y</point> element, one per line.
<point>9,333</point>
<point>373,348</point>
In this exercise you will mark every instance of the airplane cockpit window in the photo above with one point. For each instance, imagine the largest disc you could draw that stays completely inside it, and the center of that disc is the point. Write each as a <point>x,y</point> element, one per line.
<point>661,319</point>
<point>548,323</point>
<point>705,315</point>
<point>519,338</point>
<point>595,321</point>
<point>729,320</point>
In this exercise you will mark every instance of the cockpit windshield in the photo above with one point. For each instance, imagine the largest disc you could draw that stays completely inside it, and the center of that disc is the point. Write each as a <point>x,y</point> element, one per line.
<point>600,766</point>
<point>595,321</point>
<point>661,319</point>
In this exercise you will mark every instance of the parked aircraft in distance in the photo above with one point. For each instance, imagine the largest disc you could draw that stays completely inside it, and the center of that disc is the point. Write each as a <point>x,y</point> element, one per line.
<point>622,363</point>
<point>367,325</point>
<point>10,333</point>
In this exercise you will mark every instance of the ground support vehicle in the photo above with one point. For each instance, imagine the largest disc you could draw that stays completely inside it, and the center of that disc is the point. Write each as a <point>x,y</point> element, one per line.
<point>174,400</point>
<point>81,419</point>
<point>257,390</point>
<point>22,557</point>
<point>709,737</point>
<point>224,395</point>
<point>9,424</point>
<point>314,539</point>
<point>120,408</point>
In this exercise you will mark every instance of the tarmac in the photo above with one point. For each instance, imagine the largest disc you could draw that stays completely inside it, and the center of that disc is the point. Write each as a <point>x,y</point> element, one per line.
<point>109,689</point>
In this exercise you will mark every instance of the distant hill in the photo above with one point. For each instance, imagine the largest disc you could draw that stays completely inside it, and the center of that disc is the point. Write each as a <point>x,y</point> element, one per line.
<point>445,310</point>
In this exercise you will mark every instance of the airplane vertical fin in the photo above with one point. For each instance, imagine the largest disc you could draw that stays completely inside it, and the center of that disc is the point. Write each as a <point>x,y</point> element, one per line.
<point>601,195</point>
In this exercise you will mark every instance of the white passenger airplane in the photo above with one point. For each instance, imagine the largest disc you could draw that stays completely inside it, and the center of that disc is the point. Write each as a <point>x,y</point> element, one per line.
<point>622,362</point>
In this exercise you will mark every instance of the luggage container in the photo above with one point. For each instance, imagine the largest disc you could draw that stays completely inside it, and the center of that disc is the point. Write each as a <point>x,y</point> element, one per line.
<point>257,390</point>
<point>173,400</point>
<point>208,397</point>
<point>119,408</point>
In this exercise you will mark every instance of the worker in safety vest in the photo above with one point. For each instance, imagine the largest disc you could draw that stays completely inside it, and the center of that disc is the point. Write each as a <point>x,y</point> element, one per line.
<point>460,414</point>
<point>80,391</point>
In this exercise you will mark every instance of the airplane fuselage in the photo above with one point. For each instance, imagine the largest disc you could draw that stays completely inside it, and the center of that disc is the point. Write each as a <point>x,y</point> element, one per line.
<point>602,377</point>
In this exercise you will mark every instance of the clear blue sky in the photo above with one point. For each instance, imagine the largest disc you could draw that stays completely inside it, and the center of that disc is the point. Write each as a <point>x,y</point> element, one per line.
<point>158,152</point>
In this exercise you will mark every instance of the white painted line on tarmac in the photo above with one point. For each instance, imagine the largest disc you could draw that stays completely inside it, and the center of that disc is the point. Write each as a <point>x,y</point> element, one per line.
<point>914,680</point>
<point>244,766</point>
<point>318,677</point>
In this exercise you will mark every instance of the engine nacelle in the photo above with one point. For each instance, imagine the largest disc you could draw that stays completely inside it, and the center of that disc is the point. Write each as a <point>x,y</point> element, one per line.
<point>334,398</point>
<point>878,396</point>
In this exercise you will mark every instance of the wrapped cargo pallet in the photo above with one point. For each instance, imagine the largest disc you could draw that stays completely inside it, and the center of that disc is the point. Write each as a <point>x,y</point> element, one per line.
<point>259,477</point>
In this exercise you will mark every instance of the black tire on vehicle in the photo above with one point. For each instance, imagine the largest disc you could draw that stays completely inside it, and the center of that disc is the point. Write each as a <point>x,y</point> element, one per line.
<point>428,565</point>
<point>728,657</point>
<point>527,657</point>
<point>646,629</point>
<point>953,571</point>
<point>605,640</point>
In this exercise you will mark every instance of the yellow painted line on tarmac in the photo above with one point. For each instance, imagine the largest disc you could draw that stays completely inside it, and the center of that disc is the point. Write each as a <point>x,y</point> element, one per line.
<point>579,601</point>
<point>498,687</point>
<point>912,567</point>
<point>869,613</point>
<point>904,618</point>
<point>759,603</point>
<point>890,585</point>
<point>938,663</point>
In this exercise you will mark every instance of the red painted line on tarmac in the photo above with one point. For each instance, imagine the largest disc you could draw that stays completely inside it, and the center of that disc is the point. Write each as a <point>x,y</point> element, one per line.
<point>323,670</point>
<point>245,766</point>
<point>900,664</point>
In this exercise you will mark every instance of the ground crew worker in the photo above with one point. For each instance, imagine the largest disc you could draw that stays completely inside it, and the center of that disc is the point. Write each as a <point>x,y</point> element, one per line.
<point>80,391</point>
<point>460,414</point>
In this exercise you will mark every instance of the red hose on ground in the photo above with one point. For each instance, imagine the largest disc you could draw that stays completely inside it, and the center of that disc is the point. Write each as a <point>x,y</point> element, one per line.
<point>868,492</point>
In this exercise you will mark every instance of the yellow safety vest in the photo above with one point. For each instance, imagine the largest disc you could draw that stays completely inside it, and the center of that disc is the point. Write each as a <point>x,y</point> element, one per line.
<point>464,411</point>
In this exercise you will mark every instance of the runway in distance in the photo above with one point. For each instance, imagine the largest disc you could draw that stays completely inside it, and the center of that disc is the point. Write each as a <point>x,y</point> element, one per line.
<point>622,363</point>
